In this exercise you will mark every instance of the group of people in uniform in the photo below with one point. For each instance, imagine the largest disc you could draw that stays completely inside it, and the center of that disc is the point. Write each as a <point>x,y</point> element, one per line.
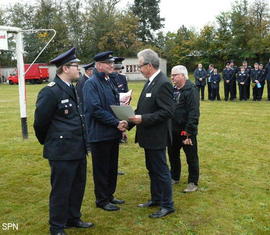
<point>244,77</point>
<point>72,122</point>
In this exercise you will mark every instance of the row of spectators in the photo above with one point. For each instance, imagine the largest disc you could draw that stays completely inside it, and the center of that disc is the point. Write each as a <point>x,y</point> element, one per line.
<point>245,77</point>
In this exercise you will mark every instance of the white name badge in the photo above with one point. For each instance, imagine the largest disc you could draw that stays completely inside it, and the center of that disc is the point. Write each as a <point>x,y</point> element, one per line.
<point>148,94</point>
<point>64,101</point>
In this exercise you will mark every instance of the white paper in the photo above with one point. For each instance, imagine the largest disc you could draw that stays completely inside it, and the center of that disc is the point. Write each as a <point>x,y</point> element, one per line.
<point>123,112</point>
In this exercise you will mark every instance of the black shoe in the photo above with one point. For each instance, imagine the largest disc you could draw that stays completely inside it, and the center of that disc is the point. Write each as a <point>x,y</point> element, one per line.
<point>109,207</point>
<point>59,232</point>
<point>161,213</point>
<point>117,201</point>
<point>120,173</point>
<point>149,204</point>
<point>79,224</point>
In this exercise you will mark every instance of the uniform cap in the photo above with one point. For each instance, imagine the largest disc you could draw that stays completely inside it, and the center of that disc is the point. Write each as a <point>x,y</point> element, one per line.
<point>67,57</point>
<point>118,60</point>
<point>88,66</point>
<point>105,56</point>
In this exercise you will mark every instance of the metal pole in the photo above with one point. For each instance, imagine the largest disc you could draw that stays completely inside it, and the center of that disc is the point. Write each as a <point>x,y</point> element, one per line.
<point>22,96</point>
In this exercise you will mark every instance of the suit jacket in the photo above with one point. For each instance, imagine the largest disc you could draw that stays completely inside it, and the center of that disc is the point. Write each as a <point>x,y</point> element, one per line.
<point>156,106</point>
<point>59,123</point>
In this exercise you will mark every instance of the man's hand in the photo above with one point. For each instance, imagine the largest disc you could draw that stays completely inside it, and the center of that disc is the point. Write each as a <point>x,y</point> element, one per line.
<point>137,119</point>
<point>187,141</point>
<point>122,125</point>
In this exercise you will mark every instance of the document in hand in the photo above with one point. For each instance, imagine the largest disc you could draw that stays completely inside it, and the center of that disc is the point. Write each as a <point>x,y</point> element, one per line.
<point>123,112</point>
<point>125,97</point>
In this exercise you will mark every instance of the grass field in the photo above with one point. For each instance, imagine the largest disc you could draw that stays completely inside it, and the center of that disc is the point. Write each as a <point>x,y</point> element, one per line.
<point>234,195</point>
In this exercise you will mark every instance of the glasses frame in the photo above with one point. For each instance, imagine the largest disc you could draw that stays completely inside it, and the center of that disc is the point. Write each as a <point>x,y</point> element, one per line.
<point>73,65</point>
<point>141,65</point>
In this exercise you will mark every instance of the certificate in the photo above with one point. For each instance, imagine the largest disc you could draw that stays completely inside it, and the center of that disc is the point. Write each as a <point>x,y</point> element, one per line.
<point>123,112</point>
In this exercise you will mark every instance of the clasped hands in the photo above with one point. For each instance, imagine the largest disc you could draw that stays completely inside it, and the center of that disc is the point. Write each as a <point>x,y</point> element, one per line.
<point>122,125</point>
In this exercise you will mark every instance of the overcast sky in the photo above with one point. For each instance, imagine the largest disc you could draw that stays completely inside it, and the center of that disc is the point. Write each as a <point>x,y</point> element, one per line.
<point>191,13</point>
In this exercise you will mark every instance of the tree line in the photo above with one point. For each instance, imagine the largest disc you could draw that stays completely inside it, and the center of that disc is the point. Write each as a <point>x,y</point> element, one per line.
<point>242,33</point>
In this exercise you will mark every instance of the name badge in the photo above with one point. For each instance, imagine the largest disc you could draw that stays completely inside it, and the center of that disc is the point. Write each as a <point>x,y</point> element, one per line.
<point>148,94</point>
<point>64,101</point>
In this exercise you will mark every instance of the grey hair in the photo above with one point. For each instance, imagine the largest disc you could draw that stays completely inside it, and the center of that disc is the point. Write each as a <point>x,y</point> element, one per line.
<point>149,57</point>
<point>180,69</point>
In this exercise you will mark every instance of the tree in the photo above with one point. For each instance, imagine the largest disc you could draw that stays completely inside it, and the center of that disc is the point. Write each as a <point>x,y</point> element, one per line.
<point>123,39</point>
<point>148,13</point>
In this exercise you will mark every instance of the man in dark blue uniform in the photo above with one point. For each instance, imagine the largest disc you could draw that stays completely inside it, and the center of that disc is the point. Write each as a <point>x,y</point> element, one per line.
<point>59,126</point>
<point>184,128</point>
<point>228,74</point>
<point>79,86</point>
<point>200,75</point>
<point>210,71</point>
<point>242,79</point>
<point>215,79</point>
<point>233,81</point>
<point>247,83</point>
<point>104,130</point>
<point>256,80</point>
<point>262,78</point>
<point>267,78</point>
<point>119,80</point>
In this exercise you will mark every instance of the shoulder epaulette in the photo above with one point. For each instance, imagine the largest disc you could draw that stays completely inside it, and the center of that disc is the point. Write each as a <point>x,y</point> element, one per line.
<point>51,84</point>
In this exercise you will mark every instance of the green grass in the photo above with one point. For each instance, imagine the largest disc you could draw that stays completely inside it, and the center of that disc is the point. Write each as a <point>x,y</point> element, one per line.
<point>234,196</point>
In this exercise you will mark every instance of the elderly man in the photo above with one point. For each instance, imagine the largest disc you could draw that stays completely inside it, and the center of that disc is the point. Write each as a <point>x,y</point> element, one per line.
<point>154,109</point>
<point>104,130</point>
<point>185,127</point>
<point>59,126</point>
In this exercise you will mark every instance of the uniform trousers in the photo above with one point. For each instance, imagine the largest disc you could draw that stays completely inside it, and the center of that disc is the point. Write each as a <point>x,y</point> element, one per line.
<point>234,89</point>
<point>242,91</point>
<point>192,158</point>
<point>160,177</point>
<point>228,90</point>
<point>268,89</point>
<point>105,166</point>
<point>201,90</point>
<point>209,90</point>
<point>68,180</point>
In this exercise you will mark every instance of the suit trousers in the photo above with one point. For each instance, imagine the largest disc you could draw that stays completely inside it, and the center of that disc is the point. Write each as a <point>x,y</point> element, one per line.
<point>68,180</point>
<point>160,177</point>
<point>192,158</point>
<point>105,166</point>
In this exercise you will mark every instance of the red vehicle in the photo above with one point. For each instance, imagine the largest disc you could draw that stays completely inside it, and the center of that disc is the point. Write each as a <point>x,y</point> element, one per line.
<point>35,75</point>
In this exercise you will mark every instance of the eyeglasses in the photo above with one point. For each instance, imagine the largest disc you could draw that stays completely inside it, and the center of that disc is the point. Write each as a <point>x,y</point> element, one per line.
<point>141,65</point>
<point>174,75</point>
<point>73,65</point>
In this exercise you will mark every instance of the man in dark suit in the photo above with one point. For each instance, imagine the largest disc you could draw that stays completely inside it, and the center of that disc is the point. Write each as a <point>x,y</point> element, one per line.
<point>104,130</point>
<point>154,109</point>
<point>79,85</point>
<point>59,126</point>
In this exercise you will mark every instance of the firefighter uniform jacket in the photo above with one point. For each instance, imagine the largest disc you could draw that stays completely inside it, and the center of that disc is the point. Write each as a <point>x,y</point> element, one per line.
<point>59,123</point>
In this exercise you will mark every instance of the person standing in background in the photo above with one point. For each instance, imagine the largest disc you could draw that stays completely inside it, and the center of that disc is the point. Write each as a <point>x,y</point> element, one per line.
<point>200,75</point>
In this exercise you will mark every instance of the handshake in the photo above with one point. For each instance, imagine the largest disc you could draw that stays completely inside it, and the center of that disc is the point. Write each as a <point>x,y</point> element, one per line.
<point>122,125</point>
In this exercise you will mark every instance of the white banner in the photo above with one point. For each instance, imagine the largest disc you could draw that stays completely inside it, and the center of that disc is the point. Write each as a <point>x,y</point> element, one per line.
<point>3,40</point>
